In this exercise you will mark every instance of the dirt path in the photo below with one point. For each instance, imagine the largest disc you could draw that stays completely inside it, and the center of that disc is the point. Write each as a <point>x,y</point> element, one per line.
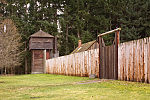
<point>92,81</point>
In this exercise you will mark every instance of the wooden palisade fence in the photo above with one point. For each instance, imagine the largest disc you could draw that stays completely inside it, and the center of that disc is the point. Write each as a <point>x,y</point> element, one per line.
<point>78,64</point>
<point>133,62</point>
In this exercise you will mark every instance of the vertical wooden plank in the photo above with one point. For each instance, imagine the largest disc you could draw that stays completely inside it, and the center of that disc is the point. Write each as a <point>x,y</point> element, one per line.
<point>131,68</point>
<point>81,64</point>
<point>72,69</point>
<point>119,62</point>
<point>134,61</point>
<point>77,64</point>
<point>81,55</point>
<point>98,62</point>
<point>143,64</point>
<point>110,59</point>
<point>69,65</point>
<point>145,59</point>
<point>73,66</point>
<point>148,62</point>
<point>93,65</point>
<point>109,62</point>
<point>105,62</point>
<point>100,58</point>
<point>139,60</point>
<point>93,52</point>
<point>94,62</point>
<point>130,61</point>
<point>104,67</point>
<point>75,61</point>
<point>125,67</point>
<point>85,63</point>
<point>113,64</point>
<point>124,59</point>
<point>116,53</point>
<point>89,63</point>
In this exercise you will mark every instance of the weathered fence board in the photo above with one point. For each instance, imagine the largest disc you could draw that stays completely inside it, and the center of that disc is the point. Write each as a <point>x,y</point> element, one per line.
<point>134,60</point>
<point>78,64</point>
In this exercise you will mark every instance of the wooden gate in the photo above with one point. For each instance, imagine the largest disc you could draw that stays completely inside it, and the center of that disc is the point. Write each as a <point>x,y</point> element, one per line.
<point>108,57</point>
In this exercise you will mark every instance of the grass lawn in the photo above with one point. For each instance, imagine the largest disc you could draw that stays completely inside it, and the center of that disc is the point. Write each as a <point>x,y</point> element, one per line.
<point>58,87</point>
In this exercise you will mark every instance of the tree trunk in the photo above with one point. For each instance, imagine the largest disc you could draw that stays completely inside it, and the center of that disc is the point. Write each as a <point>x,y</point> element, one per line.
<point>67,33</point>
<point>78,34</point>
<point>26,67</point>
<point>5,71</point>
<point>2,71</point>
<point>11,70</point>
<point>67,39</point>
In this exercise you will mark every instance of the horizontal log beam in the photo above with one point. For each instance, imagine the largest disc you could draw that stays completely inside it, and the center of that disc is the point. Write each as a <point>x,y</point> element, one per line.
<point>118,29</point>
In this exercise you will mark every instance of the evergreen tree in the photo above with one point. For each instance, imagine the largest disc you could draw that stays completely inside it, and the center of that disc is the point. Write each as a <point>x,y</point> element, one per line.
<point>80,19</point>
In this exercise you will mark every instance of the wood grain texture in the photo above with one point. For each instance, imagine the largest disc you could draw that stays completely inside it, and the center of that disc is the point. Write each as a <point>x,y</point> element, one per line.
<point>78,64</point>
<point>134,60</point>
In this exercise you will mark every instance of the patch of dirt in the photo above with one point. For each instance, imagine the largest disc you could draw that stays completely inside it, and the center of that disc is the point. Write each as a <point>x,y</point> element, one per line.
<point>65,84</point>
<point>34,97</point>
<point>25,88</point>
<point>2,82</point>
<point>7,75</point>
<point>93,81</point>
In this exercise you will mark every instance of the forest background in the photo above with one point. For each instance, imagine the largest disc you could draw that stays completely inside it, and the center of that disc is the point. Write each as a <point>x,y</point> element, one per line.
<point>73,20</point>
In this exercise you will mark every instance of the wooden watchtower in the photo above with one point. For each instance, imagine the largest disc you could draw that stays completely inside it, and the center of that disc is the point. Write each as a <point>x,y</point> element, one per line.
<point>43,46</point>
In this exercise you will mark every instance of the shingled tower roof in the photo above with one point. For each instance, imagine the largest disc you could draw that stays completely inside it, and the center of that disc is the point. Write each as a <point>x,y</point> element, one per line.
<point>41,33</point>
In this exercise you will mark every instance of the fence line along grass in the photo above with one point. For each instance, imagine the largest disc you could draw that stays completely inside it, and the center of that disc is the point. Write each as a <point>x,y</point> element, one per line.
<point>58,87</point>
<point>133,62</point>
<point>78,64</point>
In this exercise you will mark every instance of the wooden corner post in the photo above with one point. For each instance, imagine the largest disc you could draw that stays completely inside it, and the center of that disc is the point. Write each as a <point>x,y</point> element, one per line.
<point>116,52</point>
<point>100,67</point>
